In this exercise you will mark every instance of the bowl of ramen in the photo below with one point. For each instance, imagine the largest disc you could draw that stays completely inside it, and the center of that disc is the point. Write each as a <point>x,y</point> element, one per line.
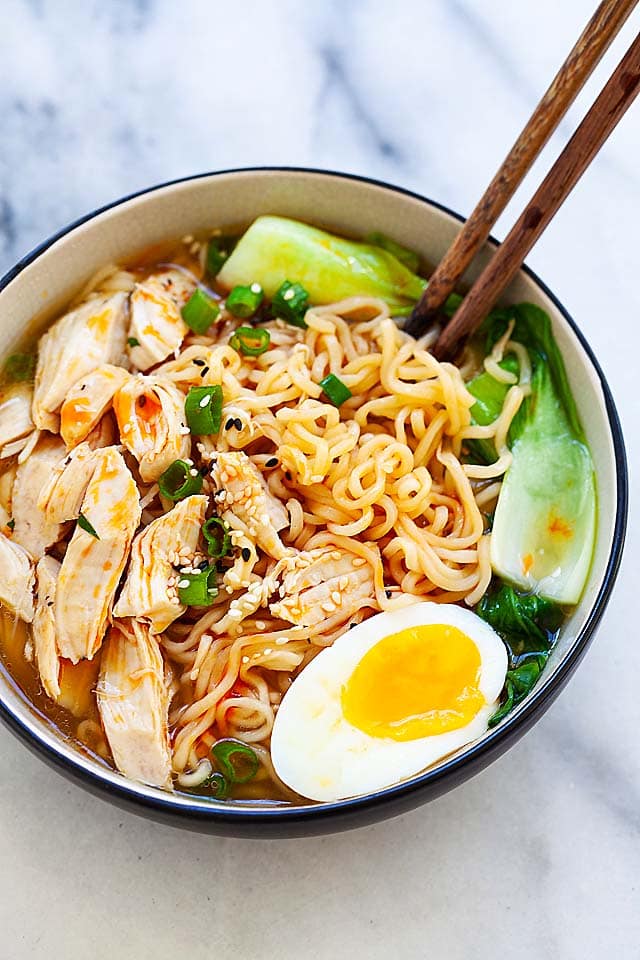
<point>267,566</point>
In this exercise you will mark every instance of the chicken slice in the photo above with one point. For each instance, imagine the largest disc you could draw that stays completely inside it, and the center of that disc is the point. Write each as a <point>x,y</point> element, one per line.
<point>146,590</point>
<point>33,529</point>
<point>15,413</point>
<point>61,497</point>
<point>44,627</point>
<point>151,420</point>
<point>323,584</point>
<point>156,321</point>
<point>104,434</point>
<point>92,566</point>
<point>16,579</point>
<point>91,335</point>
<point>247,504</point>
<point>88,400</point>
<point>133,700</point>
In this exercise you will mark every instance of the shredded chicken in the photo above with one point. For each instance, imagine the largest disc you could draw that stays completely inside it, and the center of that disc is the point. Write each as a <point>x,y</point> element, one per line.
<point>323,583</point>
<point>167,543</point>
<point>61,497</point>
<point>88,400</point>
<point>156,321</point>
<point>92,566</point>
<point>78,343</point>
<point>151,420</point>
<point>44,626</point>
<point>133,700</point>
<point>15,413</point>
<point>33,530</point>
<point>16,579</point>
<point>246,503</point>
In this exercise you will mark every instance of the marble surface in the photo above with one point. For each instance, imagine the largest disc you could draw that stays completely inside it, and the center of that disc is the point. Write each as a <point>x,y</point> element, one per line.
<point>539,856</point>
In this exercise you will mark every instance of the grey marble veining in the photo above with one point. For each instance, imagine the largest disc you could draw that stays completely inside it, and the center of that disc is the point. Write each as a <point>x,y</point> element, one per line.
<point>537,857</point>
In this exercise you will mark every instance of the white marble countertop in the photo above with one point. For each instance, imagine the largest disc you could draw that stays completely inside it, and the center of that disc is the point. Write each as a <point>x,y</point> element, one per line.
<point>539,856</point>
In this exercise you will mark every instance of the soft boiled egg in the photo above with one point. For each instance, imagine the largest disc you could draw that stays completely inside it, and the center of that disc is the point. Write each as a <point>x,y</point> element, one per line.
<point>390,697</point>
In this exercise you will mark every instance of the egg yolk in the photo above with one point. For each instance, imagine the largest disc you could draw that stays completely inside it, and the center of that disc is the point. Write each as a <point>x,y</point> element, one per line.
<point>416,683</point>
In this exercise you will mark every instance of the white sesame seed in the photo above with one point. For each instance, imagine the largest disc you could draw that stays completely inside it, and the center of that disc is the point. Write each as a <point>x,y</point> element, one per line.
<point>289,294</point>
<point>256,288</point>
<point>193,472</point>
<point>205,400</point>
<point>182,584</point>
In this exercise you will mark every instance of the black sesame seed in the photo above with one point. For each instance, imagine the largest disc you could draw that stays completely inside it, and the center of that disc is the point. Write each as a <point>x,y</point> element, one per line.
<point>228,425</point>
<point>199,363</point>
<point>246,554</point>
<point>388,594</point>
<point>238,423</point>
<point>272,462</point>
<point>352,625</point>
<point>287,475</point>
<point>204,371</point>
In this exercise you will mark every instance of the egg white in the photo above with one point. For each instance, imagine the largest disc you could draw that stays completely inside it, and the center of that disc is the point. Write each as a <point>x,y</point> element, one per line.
<point>321,756</point>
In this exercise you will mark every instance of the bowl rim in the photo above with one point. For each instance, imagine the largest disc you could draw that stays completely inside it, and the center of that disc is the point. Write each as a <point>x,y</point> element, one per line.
<point>478,754</point>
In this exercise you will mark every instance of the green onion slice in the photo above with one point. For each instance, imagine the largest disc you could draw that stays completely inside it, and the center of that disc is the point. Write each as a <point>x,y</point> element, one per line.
<point>84,524</point>
<point>178,481</point>
<point>203,410</point>
<point>335,389</point>
<point>244,301</point>
<point>403,254</point>
<point>290,303</point>
<point>198,589</point>
<point>217,252</point>
<point>200,311</point>
<point>216,533</point>
<point>133,342</point>
<point>251,341</point>
<point>218,785</point>
<point>237,761</point>
<point>20,367</point>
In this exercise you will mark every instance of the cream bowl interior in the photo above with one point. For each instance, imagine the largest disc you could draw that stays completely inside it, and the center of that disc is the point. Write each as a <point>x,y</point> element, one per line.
<point>41,285</point>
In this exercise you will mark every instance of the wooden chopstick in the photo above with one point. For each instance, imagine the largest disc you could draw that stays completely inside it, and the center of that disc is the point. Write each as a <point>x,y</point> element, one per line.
<point>586,54</point>
<point>616,97</point>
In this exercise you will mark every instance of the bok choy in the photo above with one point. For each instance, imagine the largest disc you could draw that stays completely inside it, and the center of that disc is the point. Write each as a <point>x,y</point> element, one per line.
<point>275,249</point>
<point>544,524</point>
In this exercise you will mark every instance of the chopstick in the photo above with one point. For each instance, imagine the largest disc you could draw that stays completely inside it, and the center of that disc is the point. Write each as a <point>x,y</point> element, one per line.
<point>573,74</point>
<point>615,98</point>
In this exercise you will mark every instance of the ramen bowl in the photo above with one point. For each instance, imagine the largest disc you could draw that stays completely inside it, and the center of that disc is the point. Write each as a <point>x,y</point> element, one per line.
<point>42,283</point>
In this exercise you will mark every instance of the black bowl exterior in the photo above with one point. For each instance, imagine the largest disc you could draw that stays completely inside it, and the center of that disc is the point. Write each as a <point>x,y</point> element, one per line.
<point>255,821</point>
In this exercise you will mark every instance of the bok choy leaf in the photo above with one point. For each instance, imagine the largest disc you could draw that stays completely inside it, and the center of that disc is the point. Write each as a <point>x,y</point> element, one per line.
<point>528,625</point>
<point>544,524</point>
<point>275,249</point>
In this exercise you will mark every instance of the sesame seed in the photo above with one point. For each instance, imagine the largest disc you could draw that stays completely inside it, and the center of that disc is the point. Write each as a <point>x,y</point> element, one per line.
<point>205,400</point>
<point>204,371</point>
<point>198,362</point>
<point>267,651</point>
<point>238,423</point>
<point>246,554</point>
<point>272,462</point>
<point>328,607</point>
<point>337,599</point>
<point>193,472</point>
<point>261,625</point>
<point>256,288</point>
<point>228,425</point>
<point>289,294</point>
<point>359,562</point>
<point>182,584</point>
